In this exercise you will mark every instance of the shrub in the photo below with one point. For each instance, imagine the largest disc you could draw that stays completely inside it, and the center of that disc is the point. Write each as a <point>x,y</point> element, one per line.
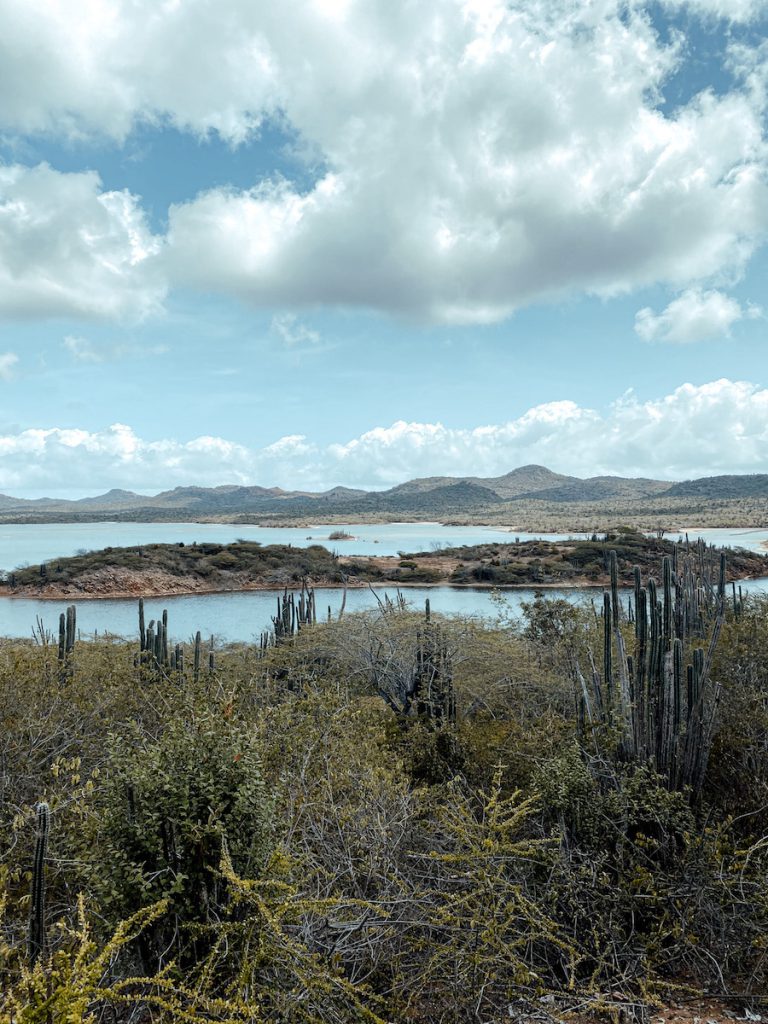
<point>168,805</point>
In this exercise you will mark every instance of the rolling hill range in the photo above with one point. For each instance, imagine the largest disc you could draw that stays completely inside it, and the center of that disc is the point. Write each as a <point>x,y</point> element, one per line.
<point>477,498</point>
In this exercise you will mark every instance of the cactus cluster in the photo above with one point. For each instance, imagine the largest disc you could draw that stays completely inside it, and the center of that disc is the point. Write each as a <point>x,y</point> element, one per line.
<point>659,700</point>
<point>67,636</point>
<point>294,613</point>
<point>156,654</point>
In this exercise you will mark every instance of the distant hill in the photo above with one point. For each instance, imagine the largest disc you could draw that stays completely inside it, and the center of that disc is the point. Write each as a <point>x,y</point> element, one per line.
<point>600,488</point>
<point>526,479</point>
<point>112,498</point>
<point>425,497</point>
<point>448,497</point>
<point>751,486</point>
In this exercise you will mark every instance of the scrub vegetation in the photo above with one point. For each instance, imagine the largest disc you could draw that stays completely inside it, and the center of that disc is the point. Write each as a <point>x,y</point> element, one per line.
<point>244,565</point>
<point>392,816</point>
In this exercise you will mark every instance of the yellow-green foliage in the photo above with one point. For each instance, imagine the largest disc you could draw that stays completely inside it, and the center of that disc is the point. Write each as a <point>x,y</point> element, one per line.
<point>167,805</point>
<point>281,843</point>
<point>79,981</point>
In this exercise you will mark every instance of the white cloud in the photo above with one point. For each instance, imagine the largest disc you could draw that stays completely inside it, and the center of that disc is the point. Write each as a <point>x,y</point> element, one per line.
<point>84,351</point>
<point>729,10</point>
<point>720,427</point>
<point>695,315</point>
<point>67,247</point>
<point>482,157</point>
<point>8,361</point>
<point>81,350</point>
<point>478,155</point>
<point>292,331</point>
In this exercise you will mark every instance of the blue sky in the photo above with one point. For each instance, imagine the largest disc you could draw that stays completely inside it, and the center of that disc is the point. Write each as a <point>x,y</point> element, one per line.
<point>350,242</point>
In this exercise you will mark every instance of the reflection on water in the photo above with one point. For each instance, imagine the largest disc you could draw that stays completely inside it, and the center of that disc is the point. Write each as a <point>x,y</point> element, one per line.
<point>232,617</point>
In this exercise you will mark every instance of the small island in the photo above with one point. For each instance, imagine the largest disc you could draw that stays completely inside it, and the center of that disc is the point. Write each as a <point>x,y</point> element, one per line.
<point>201,568</point>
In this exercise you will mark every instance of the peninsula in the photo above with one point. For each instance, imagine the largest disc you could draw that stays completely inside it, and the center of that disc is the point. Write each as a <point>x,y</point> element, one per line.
<point>175,569</point>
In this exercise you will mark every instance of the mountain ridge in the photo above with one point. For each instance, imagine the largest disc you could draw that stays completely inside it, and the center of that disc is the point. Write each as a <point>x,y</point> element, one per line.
<point>434,495</point>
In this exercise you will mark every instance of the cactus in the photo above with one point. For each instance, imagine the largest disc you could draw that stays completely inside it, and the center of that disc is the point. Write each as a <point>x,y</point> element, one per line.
<point>36,942</point>
<point>433,693</point>
<point>663,710</point>
<point>294,613</point>
<point>154,645</point>
<point>62,637</point>
<point>615,603</point>
<point>67,633</point>
<point>164,652</point>
<point>71,628</point>
<point>198,645</point>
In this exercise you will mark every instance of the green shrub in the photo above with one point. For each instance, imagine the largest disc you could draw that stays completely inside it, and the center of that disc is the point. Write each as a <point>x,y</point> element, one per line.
<point>168,804</point>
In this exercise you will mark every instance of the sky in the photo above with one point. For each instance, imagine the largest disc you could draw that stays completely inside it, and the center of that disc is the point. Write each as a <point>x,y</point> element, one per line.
<point>304,243</point>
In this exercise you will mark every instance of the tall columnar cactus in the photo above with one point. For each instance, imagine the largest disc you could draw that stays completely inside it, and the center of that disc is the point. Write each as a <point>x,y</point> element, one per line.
<point>154,645</point>
<point>198,646</point>
<point>71,628</point>
<point>62,637</point>
<point>67,635</point>
<point>294,613</point>
<point>433,693</point>
<point>149,643</point>
<point>36,941</point>
<point>615,603</point>
<point>662,711</point>
<point>164,652</point>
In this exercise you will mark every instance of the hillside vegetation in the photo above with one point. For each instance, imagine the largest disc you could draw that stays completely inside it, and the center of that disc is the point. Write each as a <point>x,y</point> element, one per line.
<point>243,565</point>
<point>391,817</point>
<point>528,498</point>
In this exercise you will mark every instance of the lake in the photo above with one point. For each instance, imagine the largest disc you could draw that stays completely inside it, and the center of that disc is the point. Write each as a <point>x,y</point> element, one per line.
<point>32,543</point>
<point>242,617</point>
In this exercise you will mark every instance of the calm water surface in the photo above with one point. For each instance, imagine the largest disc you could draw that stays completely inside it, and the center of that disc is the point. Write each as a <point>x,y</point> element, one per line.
<point>31,544</point>
<point>244,616</point>
<point>231,617</point>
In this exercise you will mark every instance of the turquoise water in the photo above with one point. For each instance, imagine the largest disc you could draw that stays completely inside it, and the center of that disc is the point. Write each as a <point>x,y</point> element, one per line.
<point>244,616</point>
<point>231,617</point>
<point>752,540</point>
<point>31,544</point>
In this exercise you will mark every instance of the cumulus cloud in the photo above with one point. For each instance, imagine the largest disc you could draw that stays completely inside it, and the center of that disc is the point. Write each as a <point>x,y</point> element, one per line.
<point>720,427</point>
<point>477,155</point>
<point>484,156</point>
<point>8,361</point>
<point>67,247</point>
<point>695,315</point>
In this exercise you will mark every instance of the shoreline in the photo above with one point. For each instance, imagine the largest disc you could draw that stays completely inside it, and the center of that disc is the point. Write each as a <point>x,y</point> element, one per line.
<point>585,517</point>
<point>125,595</point>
